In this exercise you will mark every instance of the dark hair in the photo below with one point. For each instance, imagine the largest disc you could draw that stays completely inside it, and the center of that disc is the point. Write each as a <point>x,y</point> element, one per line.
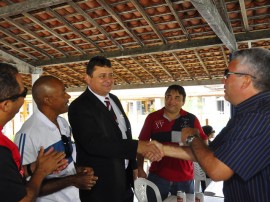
<point>178,89</point>
<point>257,61</point>
<point>97,61</point>
<point>208,130</point>
<point>8,83</point>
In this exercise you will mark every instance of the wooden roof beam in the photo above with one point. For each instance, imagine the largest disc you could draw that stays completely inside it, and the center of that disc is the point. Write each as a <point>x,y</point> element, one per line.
<point>66,23</point>
<point>17,49</point>
<point>244,15</point>
<point>22,66</point>
<point>118,19</point>
<point>44,26</point>
<point>93,22</point>
<point>182,66</point>
<point>202,63</point>
<point>145,69</point>
<point>34,35</point>
<point>27,6</point>
<point>178,19</point>
<point>169,48</point>
<point>149,21</point>
<point>211,15</point>
<point>162,66</point>
<point>119,63</point>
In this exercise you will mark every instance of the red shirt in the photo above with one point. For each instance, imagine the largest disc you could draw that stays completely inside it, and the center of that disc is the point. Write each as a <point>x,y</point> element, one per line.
<point>157,127</point>
<point>4,141</point>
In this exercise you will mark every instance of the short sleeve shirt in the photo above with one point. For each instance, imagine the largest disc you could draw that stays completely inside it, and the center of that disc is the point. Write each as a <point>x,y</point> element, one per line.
<point>39,131</point>
<point>158,127</point>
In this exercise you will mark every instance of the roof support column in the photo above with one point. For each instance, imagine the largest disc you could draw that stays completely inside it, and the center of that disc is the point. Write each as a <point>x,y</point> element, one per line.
<point>35,73</point>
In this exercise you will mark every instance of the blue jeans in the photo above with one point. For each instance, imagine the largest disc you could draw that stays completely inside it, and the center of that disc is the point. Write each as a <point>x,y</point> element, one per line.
<point>165,187</point>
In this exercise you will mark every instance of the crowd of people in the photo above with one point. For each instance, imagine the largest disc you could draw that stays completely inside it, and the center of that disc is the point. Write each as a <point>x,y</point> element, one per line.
<point>43,164</point>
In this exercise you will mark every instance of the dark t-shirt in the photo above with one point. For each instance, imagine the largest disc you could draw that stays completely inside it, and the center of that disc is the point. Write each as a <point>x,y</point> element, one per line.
<point>12,187</point>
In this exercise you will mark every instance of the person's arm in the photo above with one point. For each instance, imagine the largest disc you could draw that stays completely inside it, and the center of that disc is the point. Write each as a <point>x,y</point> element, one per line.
<point>140,160</point>
<point>135,174</point>
<point>214,168</point>
<point>84,179</point>
<point>183,152</point>
<point>29,168</point>
<point>46,164</point>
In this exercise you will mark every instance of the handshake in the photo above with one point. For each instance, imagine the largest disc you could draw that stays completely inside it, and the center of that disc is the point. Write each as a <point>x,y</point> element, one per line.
<point>155,151</point>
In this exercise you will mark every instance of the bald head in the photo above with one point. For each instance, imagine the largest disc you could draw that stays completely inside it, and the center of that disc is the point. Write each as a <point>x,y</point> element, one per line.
<point>43,87</point>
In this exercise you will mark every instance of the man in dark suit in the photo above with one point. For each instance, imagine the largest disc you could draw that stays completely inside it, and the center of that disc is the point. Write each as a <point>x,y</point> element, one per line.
<point>103,138</point>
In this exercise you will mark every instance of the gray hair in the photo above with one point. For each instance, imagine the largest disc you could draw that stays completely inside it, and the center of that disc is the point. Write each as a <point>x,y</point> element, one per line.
<point>257,61</point>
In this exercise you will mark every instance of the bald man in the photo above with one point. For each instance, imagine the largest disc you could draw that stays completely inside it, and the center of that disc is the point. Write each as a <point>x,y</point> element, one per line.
<point>46,128</point>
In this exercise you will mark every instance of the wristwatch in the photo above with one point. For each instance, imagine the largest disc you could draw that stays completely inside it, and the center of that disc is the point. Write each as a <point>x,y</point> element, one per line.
<point>190,138</point>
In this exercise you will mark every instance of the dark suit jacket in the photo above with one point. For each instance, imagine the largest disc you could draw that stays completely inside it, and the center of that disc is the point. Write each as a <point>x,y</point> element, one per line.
<point>100,145</point>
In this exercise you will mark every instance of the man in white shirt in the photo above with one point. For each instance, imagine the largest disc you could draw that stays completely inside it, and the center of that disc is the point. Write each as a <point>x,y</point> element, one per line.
<point>46,128</point>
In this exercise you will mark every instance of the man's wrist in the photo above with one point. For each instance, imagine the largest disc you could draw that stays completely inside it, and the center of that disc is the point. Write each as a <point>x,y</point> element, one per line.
<point>190,139</point>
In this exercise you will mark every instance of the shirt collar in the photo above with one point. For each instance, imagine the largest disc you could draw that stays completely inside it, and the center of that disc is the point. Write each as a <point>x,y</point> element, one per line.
<point>101,98</point>
<point>252,102</point>
<point>47,121</point>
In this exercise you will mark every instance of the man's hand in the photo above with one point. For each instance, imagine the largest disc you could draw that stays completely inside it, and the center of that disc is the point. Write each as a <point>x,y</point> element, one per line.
<point>135,174</point>
<point>151,150</point>
<point>50,161</point>
<point>142,173</point>
<point>85,178</point>
<point>187,132</point>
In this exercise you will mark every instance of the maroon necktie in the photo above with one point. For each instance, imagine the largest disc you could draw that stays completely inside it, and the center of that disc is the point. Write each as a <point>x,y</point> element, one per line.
<point>108,104</point>
<point>109,107</point>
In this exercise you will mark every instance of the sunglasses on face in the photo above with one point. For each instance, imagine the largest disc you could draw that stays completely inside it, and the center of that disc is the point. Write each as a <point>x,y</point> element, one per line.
<point>15,97</point>
<point>227,73</point>
<point>67,145</point>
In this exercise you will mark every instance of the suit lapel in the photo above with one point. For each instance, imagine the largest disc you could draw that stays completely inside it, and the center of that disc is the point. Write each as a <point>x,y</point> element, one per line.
<point>118,104</point>
<point>100,108</point>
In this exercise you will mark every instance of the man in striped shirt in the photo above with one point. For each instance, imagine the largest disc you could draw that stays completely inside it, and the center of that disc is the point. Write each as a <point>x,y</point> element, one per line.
<point>239,155</point>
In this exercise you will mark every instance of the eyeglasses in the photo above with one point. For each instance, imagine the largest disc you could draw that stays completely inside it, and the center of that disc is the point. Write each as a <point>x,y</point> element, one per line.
<point>227,73</point>
<point>67,145</point>
<point>15,97</point>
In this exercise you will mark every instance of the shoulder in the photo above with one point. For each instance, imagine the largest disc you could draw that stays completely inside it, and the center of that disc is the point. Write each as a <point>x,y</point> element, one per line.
<point>157,114</point>
<point>82,99</point>
<point>5,156</point>
<point>188,114</point>
<point>4,151</point>
<point>114,97</point>
<point>28,126</point>
<point>63,120</point>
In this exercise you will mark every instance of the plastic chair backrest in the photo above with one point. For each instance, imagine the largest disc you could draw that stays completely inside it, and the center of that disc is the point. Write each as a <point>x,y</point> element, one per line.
<point>140,185</point>
<point>199,174</point>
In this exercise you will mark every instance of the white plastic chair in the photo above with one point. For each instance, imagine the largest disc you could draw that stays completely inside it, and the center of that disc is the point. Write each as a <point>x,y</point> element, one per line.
<point>199,175</point>
<point>140,185</point>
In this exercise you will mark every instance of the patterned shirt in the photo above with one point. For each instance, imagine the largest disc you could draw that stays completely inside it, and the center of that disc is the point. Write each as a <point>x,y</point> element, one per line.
<point>244,146</point>
<point>158,127</point>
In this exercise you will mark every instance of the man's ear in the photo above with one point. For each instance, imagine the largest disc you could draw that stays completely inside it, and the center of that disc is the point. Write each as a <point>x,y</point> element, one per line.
<point>247,82</point>
<point>5,105</point>
<point>46,100</point>
<point>86,77</point>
